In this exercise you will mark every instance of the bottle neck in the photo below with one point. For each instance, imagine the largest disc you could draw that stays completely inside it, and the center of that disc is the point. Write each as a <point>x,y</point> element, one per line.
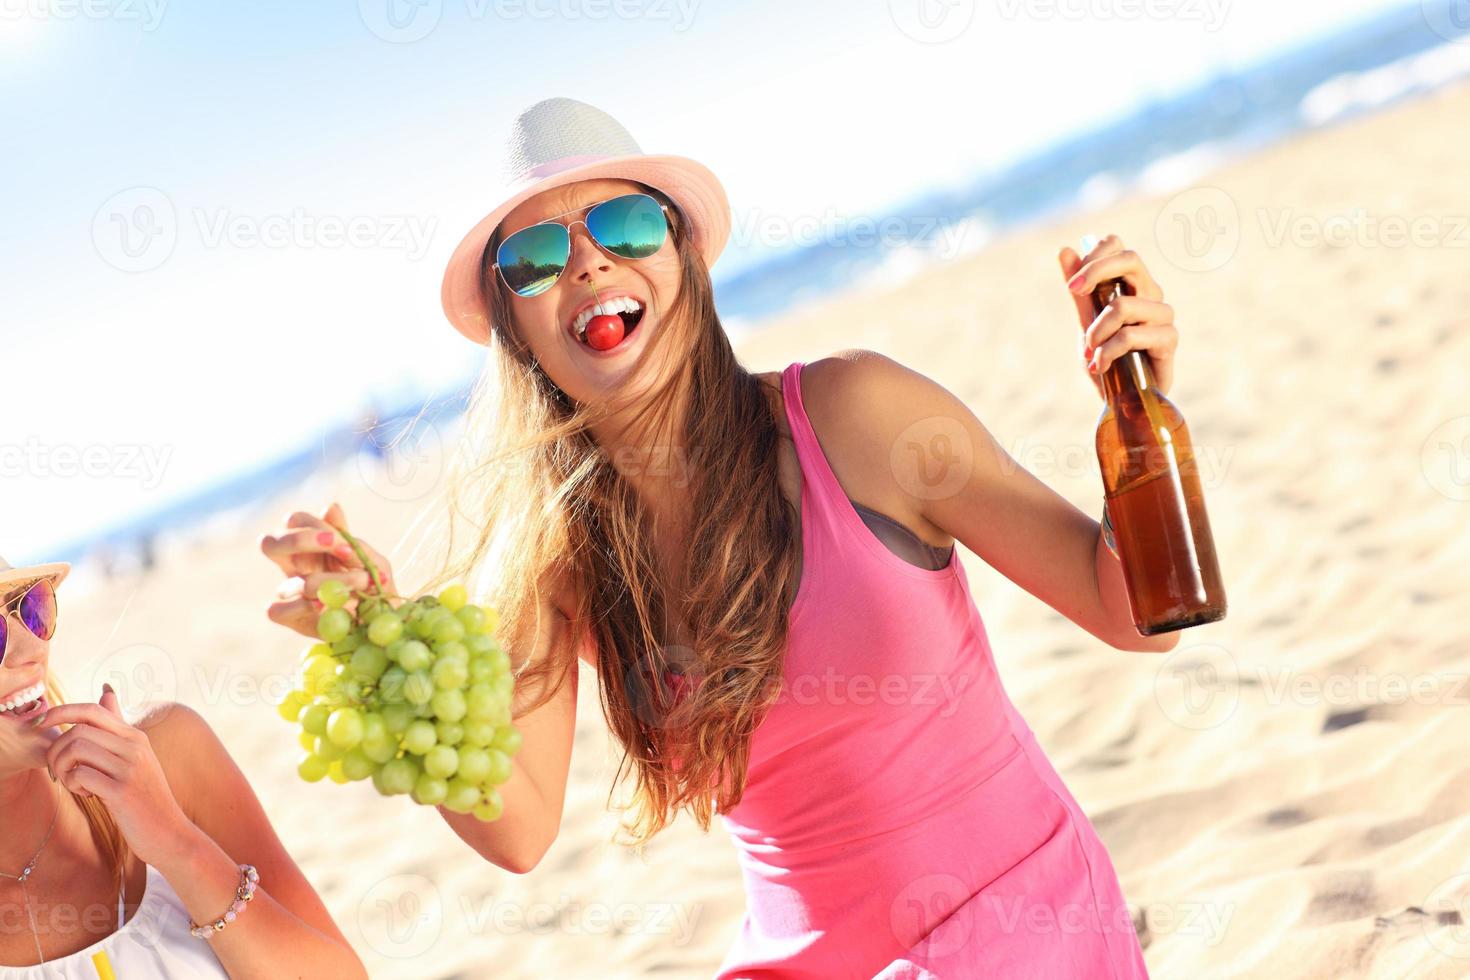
<point>1128,377</point>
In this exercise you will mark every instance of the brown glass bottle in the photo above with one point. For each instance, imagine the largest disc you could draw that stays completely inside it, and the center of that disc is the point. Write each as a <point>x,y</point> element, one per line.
<point>1152,490</point>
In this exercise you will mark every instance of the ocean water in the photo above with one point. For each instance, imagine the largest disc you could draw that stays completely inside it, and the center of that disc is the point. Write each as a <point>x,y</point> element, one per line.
<point>1165,145</point>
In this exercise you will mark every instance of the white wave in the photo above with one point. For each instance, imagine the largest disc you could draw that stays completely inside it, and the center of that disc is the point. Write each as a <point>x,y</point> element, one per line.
<point>964,237</point>
<point>1179,170</point>
<point>902,263</point>
<point>1352,92</point>
<point>1100,190</point>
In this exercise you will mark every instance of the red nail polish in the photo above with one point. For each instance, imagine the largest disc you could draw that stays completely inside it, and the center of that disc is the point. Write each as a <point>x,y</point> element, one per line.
<point>1076,282</point>
<point>325,538</point>
<point>1087,352</point>
<point>343,551</point>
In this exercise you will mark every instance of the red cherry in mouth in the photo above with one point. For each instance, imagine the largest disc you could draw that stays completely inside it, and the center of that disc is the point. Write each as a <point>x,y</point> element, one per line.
<point>604,331</point>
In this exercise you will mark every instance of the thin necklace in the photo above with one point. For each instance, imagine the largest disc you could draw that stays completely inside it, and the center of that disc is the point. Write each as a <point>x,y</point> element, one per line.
<point>25,875</point>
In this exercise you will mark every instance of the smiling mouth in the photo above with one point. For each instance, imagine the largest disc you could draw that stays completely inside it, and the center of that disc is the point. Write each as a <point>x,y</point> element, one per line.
<point>627,309</point>
<point>25,703</point>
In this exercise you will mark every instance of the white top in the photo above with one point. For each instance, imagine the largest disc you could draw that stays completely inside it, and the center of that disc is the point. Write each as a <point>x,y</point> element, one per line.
<point>155,942</point>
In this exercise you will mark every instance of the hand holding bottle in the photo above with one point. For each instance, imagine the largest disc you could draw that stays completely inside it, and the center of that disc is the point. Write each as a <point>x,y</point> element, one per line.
<point>1141,321</point>
<point>1149,473</point>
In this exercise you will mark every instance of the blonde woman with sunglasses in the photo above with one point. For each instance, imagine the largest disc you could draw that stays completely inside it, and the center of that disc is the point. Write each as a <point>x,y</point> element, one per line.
<point>762,572</point>
<point>134,850</point>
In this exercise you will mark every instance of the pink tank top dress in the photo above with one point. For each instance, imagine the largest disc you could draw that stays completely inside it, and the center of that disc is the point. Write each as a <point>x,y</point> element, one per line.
<point>900,819</point>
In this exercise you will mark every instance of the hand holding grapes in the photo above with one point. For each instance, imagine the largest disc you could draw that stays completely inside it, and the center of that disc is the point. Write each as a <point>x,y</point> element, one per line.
<point>312,553</point>
<point>412,693</point>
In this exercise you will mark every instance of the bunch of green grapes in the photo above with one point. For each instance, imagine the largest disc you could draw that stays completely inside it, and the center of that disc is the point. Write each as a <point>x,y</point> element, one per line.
<point>415,696</point>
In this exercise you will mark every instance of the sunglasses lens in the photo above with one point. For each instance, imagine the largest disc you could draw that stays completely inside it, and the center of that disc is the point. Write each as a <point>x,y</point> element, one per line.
<point>532,258</point>
<point>38,610</point>
<point>632,226</point>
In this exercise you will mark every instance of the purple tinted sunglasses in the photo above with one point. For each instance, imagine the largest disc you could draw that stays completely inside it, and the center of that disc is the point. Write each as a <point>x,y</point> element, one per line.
<point>36,609</point>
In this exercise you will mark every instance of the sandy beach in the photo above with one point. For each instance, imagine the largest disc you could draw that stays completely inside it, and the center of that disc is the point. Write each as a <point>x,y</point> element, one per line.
<point>1287,795</point>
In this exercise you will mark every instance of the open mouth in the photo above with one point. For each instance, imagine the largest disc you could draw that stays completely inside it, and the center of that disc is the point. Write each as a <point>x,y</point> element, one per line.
<point>625,308</point>
<point>25,704</point>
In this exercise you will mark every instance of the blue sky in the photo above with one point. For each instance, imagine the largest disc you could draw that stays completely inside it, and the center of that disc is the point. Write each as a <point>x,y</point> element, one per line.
<point>217,346</point>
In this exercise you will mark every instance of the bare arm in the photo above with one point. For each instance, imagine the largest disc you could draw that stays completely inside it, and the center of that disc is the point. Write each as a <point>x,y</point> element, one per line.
<point>957,477</point>
<point>285,930</point>
<point>185,808</point>
<point>535,794</point>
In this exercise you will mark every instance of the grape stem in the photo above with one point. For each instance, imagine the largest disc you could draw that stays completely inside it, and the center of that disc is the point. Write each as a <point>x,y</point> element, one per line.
<point>362,557</point>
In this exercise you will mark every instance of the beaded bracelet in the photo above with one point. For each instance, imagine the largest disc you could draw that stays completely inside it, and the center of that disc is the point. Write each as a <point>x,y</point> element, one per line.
<point>249,877</point>
<point>1107,531</point>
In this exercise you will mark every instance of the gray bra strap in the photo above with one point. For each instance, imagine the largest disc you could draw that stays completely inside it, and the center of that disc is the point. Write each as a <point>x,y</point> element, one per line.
<point>903,542</point>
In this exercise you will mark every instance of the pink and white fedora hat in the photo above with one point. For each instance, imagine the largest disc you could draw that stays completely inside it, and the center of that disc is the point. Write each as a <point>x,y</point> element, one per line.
<point>560,140</point>
<point>13,578</point>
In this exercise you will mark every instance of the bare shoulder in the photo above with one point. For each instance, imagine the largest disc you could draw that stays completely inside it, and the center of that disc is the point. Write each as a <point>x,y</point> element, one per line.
<point>187,748</point>
<point>173,727</point>
<point>857,375</point>
<point>865,407</point>
<point>181,738</point>
<point>864,392</point>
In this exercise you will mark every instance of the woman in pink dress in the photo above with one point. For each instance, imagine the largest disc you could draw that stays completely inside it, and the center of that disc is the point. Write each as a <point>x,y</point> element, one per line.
<point>762,571</point>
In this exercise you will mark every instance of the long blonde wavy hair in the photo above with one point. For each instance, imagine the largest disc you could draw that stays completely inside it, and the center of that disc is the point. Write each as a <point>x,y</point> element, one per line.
<point>534,500</point>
